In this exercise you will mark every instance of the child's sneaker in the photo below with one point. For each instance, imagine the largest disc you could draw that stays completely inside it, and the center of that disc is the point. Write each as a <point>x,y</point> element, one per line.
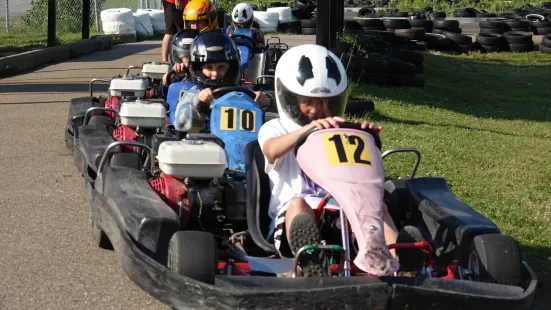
<point>304,231</point>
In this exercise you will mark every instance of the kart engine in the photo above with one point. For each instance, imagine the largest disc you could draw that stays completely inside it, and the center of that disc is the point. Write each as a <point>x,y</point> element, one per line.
<point>193,184</point>
<point>140,120</point>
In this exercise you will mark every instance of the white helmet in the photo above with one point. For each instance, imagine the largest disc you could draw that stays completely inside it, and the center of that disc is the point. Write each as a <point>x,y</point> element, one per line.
<point>311,71</point>
<point>243,13</point>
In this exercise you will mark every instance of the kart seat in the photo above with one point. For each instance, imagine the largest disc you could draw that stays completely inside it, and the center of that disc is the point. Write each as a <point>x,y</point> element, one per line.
<point>258,197</point>
<point>448,219</point>
<point>93,141</point>
<point>256,67</point>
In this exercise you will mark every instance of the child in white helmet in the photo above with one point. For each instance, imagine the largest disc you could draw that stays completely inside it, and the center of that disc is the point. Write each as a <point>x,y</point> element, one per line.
<point>311,91</point>
<point>243,17</point>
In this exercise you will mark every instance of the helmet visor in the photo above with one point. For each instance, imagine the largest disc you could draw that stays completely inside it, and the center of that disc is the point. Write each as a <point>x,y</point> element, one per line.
<point>304,109</point>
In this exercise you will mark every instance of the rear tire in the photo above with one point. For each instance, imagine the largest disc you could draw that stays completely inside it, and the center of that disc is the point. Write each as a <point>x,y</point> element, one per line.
<point>494,258</point>
<point>193,254</point>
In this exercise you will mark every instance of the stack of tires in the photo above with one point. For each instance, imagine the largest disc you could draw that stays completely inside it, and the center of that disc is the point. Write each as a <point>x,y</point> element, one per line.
<point>545,45</point>
<point>267,21</point>
<point>441,25</point>
<point>519,41</point>
<point>118,21</point>
<point>385,66</point>
<point>157,19</point>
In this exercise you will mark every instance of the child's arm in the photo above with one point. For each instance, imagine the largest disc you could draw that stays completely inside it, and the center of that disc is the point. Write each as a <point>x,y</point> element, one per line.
<point>274,148</point>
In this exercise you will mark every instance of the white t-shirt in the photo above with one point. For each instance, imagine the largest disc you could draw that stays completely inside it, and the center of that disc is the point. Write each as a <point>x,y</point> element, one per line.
<point>286,178</point>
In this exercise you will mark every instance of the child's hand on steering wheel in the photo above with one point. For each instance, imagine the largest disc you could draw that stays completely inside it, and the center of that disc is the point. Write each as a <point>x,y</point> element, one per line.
<point>366,125</point>
<point>260,99</point>
<point>179,68</point>
<point>205,95</point>
<point>326,123</point>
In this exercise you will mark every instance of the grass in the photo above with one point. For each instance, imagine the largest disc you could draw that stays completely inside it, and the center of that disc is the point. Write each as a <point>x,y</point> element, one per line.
<point>482,122</point>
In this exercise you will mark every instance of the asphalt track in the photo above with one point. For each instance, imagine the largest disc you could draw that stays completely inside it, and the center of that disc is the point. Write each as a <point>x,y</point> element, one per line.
<point>47,258</point>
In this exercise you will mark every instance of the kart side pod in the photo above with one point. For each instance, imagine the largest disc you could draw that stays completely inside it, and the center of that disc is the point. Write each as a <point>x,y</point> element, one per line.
<point>347,163</point>
<point>194,159</point>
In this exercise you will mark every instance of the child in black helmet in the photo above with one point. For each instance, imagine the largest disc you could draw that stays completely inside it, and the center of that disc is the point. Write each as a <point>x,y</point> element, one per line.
<point>214,63</point>
<point>179,57</point>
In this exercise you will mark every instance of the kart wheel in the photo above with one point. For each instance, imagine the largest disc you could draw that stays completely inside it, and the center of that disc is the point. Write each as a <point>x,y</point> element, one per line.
<point>127,160</point>
<point>193,254</point>
<point>494,258</point>
<point>99,237</point>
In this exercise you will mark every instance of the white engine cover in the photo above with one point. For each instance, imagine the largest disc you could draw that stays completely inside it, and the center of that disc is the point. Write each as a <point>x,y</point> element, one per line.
<point>155,70</point>
<point>143,113</point>
<point>193,159</point>
<point>129,85</point>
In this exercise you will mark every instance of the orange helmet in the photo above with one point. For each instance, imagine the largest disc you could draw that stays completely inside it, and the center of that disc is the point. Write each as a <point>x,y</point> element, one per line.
<point>197,10</point>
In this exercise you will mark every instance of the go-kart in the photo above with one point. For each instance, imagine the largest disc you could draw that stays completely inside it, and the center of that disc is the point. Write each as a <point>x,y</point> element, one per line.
<point>193,255</point>
<point>144,85</point>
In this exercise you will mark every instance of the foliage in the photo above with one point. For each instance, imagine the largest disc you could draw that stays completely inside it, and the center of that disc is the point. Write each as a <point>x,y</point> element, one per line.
<point>68,15</point>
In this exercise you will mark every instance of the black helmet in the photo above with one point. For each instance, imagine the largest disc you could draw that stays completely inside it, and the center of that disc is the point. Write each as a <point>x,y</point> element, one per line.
<point>212,47</point>
<point>180,45</point>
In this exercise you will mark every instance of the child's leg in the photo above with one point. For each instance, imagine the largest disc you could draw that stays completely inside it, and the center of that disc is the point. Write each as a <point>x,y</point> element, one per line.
<point>391,232</point>
<point>300,229</point>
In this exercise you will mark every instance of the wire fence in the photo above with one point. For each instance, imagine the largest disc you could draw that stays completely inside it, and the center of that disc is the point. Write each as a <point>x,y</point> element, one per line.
<point>24,23</point>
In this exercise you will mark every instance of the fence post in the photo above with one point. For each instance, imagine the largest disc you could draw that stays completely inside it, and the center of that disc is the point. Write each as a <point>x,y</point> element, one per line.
<point>85,19</point>
<point>96,14</point>
<point>51,22</point>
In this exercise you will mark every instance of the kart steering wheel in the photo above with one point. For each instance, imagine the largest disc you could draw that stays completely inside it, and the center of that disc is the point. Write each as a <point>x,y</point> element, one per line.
<point>348,125</point>
<point>170,76</point>
<point>219,92</point>
<point>240,36</point>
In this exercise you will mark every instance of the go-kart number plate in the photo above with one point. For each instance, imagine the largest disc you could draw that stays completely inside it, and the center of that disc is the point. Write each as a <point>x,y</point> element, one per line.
<point>346,149</point>
<point>230,117</point>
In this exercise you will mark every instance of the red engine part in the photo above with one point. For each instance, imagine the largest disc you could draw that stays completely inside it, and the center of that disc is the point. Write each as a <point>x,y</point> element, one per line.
<point>112,103</point>
<point>172,191</point>
<point>125,133</point>
<point>150,93</point>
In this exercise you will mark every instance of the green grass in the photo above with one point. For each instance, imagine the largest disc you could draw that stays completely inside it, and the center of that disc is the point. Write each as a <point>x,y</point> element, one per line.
<point>483,123</point>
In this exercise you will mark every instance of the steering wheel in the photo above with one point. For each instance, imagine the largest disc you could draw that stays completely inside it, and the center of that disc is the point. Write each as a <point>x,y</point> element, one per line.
<point>348,125</point>
<point>240,36</point>
<point>170,77</point>
<point>219,92</point>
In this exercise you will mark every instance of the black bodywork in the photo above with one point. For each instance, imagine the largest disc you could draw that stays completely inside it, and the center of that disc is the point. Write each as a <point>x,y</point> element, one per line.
<point>139,225</point>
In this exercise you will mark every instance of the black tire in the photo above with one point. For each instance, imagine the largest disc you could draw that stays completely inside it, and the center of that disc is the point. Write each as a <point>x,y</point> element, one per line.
<point>458,38</point>
<point>492,30</point>
<point>352,25</point>
<point>492,24</point>
<point>463,13</point>
<point>308,23</point>
<point>520,29</point>
<point>426,24</point>
<point>397,66</point>
<point>411,34</point>
<point>379,79</point>
<point>193,254</point>
<point>439,14</point>
<point>494,258</point>
<point>385,35</point>
<point>359,108</point>
<point>516,37</point>
<point>127,160</point>
<point>491,39</point>
<point>517,23</point>
<point>396,23</point>
<point>541,24</point>
<point>366,12</point>
<point>295,30</point>
<point>490,48</point>
<point>282,27</point>
<point>544,48</point>
<point>437,41</point>
<point>308,31</point>
<point>374,65</point>
<point>546,40</point>
<point>371,23</point>
<point>544,31</point>
<point>522,48</point>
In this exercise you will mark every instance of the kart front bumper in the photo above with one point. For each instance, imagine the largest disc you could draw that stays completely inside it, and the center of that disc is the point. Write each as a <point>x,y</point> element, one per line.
<point>233,292</point>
